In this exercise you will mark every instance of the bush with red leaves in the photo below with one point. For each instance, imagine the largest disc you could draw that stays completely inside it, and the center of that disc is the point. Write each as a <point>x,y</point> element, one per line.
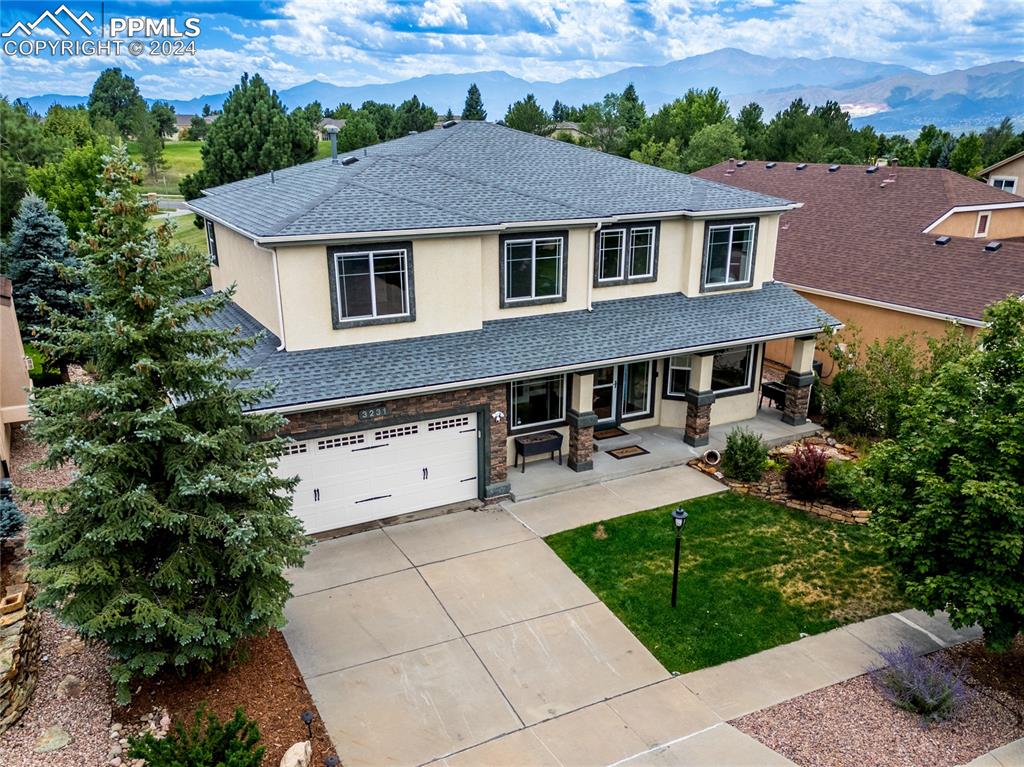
<point>805,473</point>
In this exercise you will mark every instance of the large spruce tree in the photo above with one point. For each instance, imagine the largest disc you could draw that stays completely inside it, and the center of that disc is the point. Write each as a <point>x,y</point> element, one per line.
<point>473,109</point>
<point>253,135</point>
<point>170,541</point>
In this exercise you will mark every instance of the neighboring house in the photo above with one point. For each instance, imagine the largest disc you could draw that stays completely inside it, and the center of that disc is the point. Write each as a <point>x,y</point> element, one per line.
<point>565,130</point>
<point>14,379</point>
<point>321,128</point>
<point>891,250</point>
<point>183,122</point>
<point>440,294</point>
<point>1007,174</point>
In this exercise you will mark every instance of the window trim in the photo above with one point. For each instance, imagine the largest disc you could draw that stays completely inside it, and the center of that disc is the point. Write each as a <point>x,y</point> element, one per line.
<point>667,393</point>
<point>515,237</point>
<point>711,224</point>
<point>211,242</point>
<point>751,371</point>
<point>627,230</point>
<point>1014,180</point>
<point>526,428</point>
<point>337,320</point>
<point>978,231</point>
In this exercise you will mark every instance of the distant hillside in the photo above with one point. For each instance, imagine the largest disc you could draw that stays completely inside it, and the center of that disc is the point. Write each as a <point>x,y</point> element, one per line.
<point>891,98</point>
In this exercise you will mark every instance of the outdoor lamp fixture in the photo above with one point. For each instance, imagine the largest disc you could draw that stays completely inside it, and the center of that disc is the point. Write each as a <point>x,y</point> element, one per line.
<point>307,719</point>
<point>332,761</point>
<point>678,519</point>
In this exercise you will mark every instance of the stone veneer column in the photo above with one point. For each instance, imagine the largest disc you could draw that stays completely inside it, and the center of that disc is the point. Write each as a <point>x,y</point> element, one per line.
<point>582,420</point>
<point>798,382</point>
<point>699,398</point>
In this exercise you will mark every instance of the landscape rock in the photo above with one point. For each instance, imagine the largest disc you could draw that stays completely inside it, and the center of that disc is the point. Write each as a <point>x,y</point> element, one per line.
<point>70,686</point>
<point>53,738</point>
<point>70,647</point>
<point>298,755</point>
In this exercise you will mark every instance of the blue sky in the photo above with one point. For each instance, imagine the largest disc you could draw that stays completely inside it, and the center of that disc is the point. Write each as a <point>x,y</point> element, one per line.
<point>353,42</point>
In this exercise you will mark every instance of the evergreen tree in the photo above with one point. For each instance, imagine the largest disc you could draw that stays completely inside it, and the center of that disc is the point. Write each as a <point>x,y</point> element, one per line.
<point>39,262</point>
<point>115,97</point>
<point>23,145</point>
<point>253,135</point>
<point>169,542</point>
<point>750,127</point>
<point>682,118</point>
<point>197,129</point>
<point>527,115</point>
<point>712,144</point>
<point>383,116</point>
<point>164,119</point>
<point>473,109</point>
<point>410,116</point>
<point>69,125</point>
<point>151,145</point>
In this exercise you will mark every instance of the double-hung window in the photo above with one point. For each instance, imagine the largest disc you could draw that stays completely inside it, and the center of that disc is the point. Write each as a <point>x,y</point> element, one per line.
<point>533,268</point>
<point>729,254</point>
<point>211,242</point>
<point>371,284</point>
<point>732,370</point>
<point>537,402</point>
<point>626,254</point>
<point>677,378</point>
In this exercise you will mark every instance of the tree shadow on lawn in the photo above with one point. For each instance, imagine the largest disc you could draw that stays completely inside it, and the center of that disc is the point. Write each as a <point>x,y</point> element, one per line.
<point>752,575</point>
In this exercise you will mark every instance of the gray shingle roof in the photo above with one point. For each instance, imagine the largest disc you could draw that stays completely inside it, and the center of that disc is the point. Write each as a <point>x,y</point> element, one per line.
<point>511,348</point>
<point>472,174</point>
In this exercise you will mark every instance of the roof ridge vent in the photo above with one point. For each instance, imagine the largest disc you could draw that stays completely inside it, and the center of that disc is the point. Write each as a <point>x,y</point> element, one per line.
<point>412,133</point>
<point>770,165</point>
<point>449,123</point>
<point>943,240</point>
<point>871,169</point>
<point>741,163</point>
<point>833,168</point>
<point>350,160</point>
<point>993,246</point>
<point>801,166</point>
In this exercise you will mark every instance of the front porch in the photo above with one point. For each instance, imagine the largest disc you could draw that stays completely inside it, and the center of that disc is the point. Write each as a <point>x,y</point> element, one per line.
<point>665,448</point>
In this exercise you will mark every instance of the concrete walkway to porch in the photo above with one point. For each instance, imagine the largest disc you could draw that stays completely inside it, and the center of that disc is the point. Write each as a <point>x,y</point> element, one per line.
<point>665,448</point>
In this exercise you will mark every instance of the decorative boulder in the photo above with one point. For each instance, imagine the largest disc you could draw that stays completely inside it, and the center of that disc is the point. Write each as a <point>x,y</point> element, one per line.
<point>299,755</point>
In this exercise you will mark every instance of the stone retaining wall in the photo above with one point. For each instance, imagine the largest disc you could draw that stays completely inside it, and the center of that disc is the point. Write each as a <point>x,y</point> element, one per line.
<point>19,659</point>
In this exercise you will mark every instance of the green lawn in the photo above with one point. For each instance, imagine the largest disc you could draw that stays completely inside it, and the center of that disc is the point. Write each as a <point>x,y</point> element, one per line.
<point>185,231</point>
<point>752,575</point>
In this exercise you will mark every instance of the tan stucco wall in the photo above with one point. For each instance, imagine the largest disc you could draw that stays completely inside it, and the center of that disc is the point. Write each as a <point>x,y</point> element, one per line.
<point>251,270</point>
<point>873,322</point>
<point>1013,169</point>
<point>1008,222</point>
<point>14,378</point>
<point>456,282</point>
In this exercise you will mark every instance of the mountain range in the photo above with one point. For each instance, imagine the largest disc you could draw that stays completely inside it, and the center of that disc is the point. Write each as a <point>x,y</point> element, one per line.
<point>889,97</point>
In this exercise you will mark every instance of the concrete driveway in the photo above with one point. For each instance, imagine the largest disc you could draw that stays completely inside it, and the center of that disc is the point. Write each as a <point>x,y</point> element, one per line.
<point>464,638</point>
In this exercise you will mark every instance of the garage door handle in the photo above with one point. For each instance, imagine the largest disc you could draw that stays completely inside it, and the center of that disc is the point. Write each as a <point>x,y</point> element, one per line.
<point>426,473</point>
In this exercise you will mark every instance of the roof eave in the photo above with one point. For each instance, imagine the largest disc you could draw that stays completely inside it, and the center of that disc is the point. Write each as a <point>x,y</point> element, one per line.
<point>945,316</point>
<point>972,208</point>
<point>1001,163</point>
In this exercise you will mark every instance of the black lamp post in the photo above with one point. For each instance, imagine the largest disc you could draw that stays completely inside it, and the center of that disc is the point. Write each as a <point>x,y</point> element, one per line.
<point>307,719</point>
<point>678,519</point>
<point>332,761</point>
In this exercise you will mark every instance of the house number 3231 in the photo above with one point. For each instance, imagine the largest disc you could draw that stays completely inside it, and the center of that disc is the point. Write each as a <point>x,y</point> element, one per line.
<point>366,413</point>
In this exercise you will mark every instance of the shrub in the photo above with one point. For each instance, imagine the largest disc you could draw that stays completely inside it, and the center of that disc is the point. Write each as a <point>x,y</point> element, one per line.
<point>205,743</point>
<point>843,481</point>
<point>746,455</point>
<point>805,473</point>
<point>923,685</point>
<point>11,519</point>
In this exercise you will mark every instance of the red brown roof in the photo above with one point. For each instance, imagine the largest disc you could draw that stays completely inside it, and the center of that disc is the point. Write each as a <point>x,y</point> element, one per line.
<point>859,237</point>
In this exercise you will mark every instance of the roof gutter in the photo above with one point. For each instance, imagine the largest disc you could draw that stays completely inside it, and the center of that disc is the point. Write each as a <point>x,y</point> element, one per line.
<point>304,407</point>
<point>885,305</point>
<point>489,228</point>
<point>972,209</point>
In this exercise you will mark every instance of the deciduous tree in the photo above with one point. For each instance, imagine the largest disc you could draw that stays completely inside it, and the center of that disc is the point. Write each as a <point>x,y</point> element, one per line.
<point>358,132</point>
<point>169,542</point>
<point>712,144</point>
<point>115,97</point>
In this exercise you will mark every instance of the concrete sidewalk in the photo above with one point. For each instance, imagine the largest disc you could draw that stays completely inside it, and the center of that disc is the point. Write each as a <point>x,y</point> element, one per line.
<point>1010,755</point>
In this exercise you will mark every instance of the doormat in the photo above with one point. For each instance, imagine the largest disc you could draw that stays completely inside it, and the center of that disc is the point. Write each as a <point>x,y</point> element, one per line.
<point>627,452</point>
<point>614,431</point>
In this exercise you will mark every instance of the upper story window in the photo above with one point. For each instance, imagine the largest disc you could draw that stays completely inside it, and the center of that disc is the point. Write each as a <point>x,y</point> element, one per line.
<point>677,378</point>
<point>729,248</point>
<point>1006,183</point>
<point>537,402</point>
<point>732,371</point>
<point>533,268</point>
<point>371,284</point>
<point>211,242</point>
<point>626,254</point>
<point>981,227</point>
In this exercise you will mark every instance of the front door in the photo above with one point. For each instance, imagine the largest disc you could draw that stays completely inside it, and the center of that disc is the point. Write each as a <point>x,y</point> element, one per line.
<point>606,400</point>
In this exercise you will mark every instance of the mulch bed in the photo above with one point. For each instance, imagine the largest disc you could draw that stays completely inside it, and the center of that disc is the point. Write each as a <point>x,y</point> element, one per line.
<point>851,724</point>
<point>267,685</point>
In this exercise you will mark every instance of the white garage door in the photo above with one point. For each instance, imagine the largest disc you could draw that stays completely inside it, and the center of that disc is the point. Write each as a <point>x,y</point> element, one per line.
<point>358,477</point>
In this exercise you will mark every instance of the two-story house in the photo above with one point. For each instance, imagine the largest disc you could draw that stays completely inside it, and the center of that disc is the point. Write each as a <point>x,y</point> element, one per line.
<point>428,299</point>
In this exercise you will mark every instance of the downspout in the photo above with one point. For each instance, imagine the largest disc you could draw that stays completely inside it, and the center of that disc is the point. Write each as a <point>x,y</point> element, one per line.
<point>590,267</point>
<point>277,292</point>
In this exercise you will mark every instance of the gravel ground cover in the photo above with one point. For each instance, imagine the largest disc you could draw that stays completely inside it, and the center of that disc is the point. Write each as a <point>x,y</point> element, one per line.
<point>851,724</point>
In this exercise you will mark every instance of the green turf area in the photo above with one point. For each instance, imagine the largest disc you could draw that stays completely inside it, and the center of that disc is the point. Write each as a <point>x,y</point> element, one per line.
<point>185,231</point>
<point>41,374</point>
<point>182,158</point>
<point>323,150</point>
<point>752,575</point>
